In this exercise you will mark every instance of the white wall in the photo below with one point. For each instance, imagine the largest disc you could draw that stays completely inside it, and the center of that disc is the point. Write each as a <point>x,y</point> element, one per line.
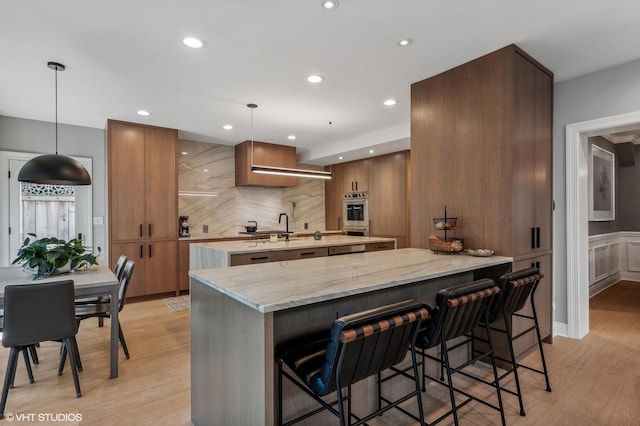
<point>604,93</point>
<point>22,135</point>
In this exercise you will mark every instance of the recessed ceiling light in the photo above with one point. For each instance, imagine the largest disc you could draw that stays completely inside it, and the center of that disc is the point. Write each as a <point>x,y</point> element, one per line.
<point>315,78</point>
<point>205,170</point>
<point>193,42</point>
<point>291,137</point>
<point>390,102</point>
<point>370,151</point>
<point>227,127</point>
<point>405,42</point>
<point>184,153</point>
<point>330,4</point>
<point>143,112</point>
<point>340,158</point>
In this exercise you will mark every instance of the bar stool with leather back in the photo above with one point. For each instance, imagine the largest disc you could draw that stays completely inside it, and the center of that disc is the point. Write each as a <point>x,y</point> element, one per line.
<point>458,311</point>
<point>36,313</point>
<point>517,288</point>
<point>103,309</point>
<point>356,347</point>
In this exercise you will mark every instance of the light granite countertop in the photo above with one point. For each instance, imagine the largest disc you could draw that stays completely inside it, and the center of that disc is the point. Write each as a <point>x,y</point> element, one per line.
<point>270,287</point>
<point>264,245</point>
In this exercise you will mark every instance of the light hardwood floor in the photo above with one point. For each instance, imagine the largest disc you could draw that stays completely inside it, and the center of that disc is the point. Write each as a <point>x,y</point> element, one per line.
<point>595,381</point>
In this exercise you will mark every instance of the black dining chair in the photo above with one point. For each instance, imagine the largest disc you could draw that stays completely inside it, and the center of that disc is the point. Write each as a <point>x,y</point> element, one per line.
<point>356,347</point>
<point>36,313</point>
<point>103,309</point>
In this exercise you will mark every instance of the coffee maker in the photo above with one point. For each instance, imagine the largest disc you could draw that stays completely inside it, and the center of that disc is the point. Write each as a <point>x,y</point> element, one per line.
<point>184,226</point>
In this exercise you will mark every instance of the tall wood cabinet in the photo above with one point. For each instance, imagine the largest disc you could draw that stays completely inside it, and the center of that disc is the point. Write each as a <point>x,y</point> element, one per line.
<point>482,135</point>
<point>384,177</point>
<point>388,206</point>
<point>142,203</point>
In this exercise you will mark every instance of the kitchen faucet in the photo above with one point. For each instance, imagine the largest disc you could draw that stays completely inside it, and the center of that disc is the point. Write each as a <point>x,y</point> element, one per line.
<point>286,216</point>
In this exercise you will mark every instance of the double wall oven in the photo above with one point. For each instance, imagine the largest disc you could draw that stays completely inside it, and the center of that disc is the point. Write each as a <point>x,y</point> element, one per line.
<point>356,213</point>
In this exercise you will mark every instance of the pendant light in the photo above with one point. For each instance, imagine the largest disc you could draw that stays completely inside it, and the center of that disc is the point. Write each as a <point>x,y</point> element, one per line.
<point>54,169</point>
<point>282,171</point>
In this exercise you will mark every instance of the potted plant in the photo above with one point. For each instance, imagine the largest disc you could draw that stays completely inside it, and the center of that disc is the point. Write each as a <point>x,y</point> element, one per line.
<point>52,256</point>
<point>317,235</point>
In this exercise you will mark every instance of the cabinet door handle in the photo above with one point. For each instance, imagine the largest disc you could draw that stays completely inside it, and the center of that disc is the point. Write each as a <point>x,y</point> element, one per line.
<point>260,258</point>
<point>149,250</point>
<point>308,253</point>
<point>149,229</point>
<point>533,238</point>
<point>356,185</point>
<point>141,254</point>
<point>538,237</point>
<point>140,230</point>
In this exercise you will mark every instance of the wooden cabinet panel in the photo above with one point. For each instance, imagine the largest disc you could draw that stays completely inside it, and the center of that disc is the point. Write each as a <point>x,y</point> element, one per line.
<point>389,245</point>
<point>333,204</point>
<point>387,196</point>
<point>136,252</point>
<point>253,258</point>
<point>183,265</point>
<point>307,253</point>
<point>162,266</point>
<point>126,181</point>
<point>264,154</point>
<point>355,176</point>
<point>161,183</point>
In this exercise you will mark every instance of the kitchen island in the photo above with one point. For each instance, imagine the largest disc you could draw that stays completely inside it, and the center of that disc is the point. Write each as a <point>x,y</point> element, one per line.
<point>220,254</point>
<point>239,315</point>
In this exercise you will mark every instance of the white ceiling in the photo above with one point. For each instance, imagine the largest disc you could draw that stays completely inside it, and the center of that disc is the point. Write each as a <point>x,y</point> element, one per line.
<point>122,56</point>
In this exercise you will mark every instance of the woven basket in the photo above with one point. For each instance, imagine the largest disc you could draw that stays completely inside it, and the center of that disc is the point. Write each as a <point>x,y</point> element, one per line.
<point>438,245</point>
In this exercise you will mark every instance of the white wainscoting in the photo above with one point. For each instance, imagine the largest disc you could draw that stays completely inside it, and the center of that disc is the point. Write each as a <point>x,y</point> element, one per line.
<point>613,257</point>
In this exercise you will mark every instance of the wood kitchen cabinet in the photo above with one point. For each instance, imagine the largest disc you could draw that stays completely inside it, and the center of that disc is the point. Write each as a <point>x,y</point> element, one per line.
<point>355,176</point>
<point>142,203</point>
<point>250,153</point>
<point>333,196</point>
<point>388,212</point>
<point>482,136</point>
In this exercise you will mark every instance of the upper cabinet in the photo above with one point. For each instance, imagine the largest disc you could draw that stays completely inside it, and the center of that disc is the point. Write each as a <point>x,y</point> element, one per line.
<point>143,203</point>
<point>250,153</point>
<point>355,176</point>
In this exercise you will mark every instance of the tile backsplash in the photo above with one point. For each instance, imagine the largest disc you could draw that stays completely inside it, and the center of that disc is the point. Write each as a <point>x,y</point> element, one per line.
<point>208,195</point>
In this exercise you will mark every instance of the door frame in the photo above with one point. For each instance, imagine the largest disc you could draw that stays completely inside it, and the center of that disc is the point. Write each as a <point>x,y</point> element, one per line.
<point>577,220</point>
<point>85,210</point>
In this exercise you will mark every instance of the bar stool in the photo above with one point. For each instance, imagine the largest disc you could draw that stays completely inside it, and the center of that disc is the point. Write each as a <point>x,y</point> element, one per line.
<point>356,347</point>
<point>458,311</point>
<point>517,288</point>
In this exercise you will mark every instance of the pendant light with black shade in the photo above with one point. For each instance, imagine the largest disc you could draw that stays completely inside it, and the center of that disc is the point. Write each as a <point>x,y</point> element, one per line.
<point>54,169</point>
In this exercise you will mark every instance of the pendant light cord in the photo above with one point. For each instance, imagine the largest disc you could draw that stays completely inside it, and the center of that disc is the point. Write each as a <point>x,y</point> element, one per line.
<point>56,111</point>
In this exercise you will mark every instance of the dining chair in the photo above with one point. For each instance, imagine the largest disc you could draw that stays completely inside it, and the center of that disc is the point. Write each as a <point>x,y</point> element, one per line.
<point>36,313</point>
<point>103,309</point>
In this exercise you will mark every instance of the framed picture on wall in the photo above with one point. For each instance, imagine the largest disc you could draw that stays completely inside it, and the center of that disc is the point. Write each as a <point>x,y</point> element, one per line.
<point>602,185</point>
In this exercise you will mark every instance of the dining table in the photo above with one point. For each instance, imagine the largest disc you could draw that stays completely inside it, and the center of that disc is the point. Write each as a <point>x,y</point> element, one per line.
<point>97,281</point>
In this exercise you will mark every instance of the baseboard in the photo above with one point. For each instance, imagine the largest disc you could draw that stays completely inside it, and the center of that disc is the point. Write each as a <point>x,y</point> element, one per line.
<point>560,329</point>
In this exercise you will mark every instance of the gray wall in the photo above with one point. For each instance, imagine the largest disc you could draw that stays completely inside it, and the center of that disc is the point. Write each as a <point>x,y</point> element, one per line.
<point>610,92</point>
<point>603,227</point>
<point>21,135</point>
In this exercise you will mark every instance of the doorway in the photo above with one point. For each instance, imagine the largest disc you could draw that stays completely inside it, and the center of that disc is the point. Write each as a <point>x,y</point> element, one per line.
<point>46,210</point>
<point>577,157</point>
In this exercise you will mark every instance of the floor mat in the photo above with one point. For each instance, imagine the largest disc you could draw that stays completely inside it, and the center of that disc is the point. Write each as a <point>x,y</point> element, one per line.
<point>177,304</point>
